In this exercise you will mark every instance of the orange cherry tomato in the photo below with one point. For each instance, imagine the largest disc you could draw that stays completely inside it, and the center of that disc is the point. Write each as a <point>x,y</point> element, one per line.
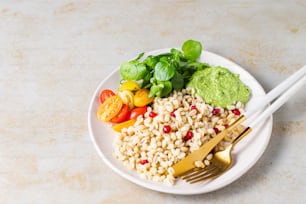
<point>138,111</point>
<point>118,127</point>
<point>105,94</point>
<point>110,108</point>
<point>142,98</point>
<point>123,115</point>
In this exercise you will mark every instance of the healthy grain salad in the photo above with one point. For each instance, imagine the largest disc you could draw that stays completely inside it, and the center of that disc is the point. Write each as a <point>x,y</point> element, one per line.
<point>168,106</point>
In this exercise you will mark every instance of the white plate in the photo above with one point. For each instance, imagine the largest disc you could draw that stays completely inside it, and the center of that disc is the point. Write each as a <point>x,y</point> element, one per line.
<point>246,153</point>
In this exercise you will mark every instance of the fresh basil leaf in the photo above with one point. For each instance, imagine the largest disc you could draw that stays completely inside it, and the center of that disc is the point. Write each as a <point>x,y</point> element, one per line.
<point>164,71</point>
<point>156,90</point>
<point>164,59</point>
<point>192,49</point>
<point>150,61</point>
<point>167,88</point>
<point>140,56</point>
<point>197,65</point>
<point>177,81</point>
<point>132,70</point>
<point>176,55</point>
<point>141,71</point>
<point>146,80</point>
<point>128,71</point>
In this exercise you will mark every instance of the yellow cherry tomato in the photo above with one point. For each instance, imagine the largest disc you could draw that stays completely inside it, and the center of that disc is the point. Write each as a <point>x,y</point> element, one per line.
<point>127,98</point>
<point>141,98</point>
<point>110,108</point>
<point>126,124</point>
<point>130,86</point>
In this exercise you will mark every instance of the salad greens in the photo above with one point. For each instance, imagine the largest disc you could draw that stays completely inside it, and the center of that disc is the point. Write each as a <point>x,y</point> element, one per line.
<point>192,49</point>
<point>164,72</point>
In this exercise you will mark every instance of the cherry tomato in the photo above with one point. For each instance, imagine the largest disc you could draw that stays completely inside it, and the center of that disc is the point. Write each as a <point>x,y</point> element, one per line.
<point>105,94</point>
<point>142,98</point>
<point>118,127</point>
<point>127,98</point>
<point>130,86</point>
<point>138,111</point>
<point>110,108</point>
<point>123,115</point>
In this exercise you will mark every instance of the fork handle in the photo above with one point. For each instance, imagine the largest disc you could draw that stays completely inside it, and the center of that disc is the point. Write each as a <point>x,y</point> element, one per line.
<point>274,106</point>
<point>244,133</point>
<point>279,102</point>
<point>277,91</point>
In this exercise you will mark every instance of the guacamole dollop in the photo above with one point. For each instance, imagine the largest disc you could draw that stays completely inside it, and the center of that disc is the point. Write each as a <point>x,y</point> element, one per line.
<point>219,86</point>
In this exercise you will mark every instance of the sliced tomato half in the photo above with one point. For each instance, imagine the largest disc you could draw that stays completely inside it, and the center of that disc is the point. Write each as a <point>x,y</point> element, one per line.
<point>105,94</point>
<point>142,98</point>
<point>138,111</point>
<point>123,115</point>
<point>110,108</point>
<point>118,127</point>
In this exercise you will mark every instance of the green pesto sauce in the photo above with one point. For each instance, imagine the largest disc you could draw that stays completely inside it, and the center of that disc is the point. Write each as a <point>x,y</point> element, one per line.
<point>219,86</point>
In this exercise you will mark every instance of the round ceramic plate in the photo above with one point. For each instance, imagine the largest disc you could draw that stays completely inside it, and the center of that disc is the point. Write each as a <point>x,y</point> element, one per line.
<point>246,152</point>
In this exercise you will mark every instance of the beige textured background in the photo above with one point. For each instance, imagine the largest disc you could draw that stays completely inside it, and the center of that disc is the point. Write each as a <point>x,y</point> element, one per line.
<point>53,54</point>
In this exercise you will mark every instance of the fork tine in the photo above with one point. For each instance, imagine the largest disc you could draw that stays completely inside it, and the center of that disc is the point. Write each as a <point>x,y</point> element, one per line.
<point>196,172</point>
<point>203,173</point>
<point>189,172</point>
<point>203,176</point>
<point>206,177</point>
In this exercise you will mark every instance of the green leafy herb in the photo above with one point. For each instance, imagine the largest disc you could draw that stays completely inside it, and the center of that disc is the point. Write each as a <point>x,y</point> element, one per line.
<point>167,71</point>
<point>133,70</point>
<point>177,81</point>
<point>192,49</point>
<point>164,71</point>
<point>167,88</point>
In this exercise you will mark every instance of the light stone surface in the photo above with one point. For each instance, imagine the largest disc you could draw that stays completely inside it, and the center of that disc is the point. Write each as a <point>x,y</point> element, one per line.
<point>54,54</point>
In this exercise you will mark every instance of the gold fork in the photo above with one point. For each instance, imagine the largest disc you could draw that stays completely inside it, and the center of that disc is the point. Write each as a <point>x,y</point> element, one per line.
<point>188,162</point>
<point>220,163</point>
<point>282,91</point>
<point>222,160</point>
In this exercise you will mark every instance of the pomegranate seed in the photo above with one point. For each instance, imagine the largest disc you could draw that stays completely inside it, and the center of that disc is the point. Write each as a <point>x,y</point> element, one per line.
<point>152,114</point>
<point>167,128</point>
<point>216,111</point>
<point>173,114</point>
<point>188,136</point>
<point>145,161</point>
<point>216,130</point>
<point>236,111</point>
<point>194,108</point>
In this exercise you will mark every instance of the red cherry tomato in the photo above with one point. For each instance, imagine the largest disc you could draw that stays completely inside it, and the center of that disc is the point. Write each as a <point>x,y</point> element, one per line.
<point>105,94</point>
<point>138,111</point>
<point>123,115</point>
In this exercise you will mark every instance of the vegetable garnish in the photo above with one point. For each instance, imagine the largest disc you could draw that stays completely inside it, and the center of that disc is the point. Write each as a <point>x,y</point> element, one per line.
<point>138,111</point>
<point>118,127</point>
<point>165,72</point>
<point>192,49</point>
<point>129,85</point>
<point>105,94</point>
<point>141,98</point>
<point>110,108</point>
<point>123,115</point>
